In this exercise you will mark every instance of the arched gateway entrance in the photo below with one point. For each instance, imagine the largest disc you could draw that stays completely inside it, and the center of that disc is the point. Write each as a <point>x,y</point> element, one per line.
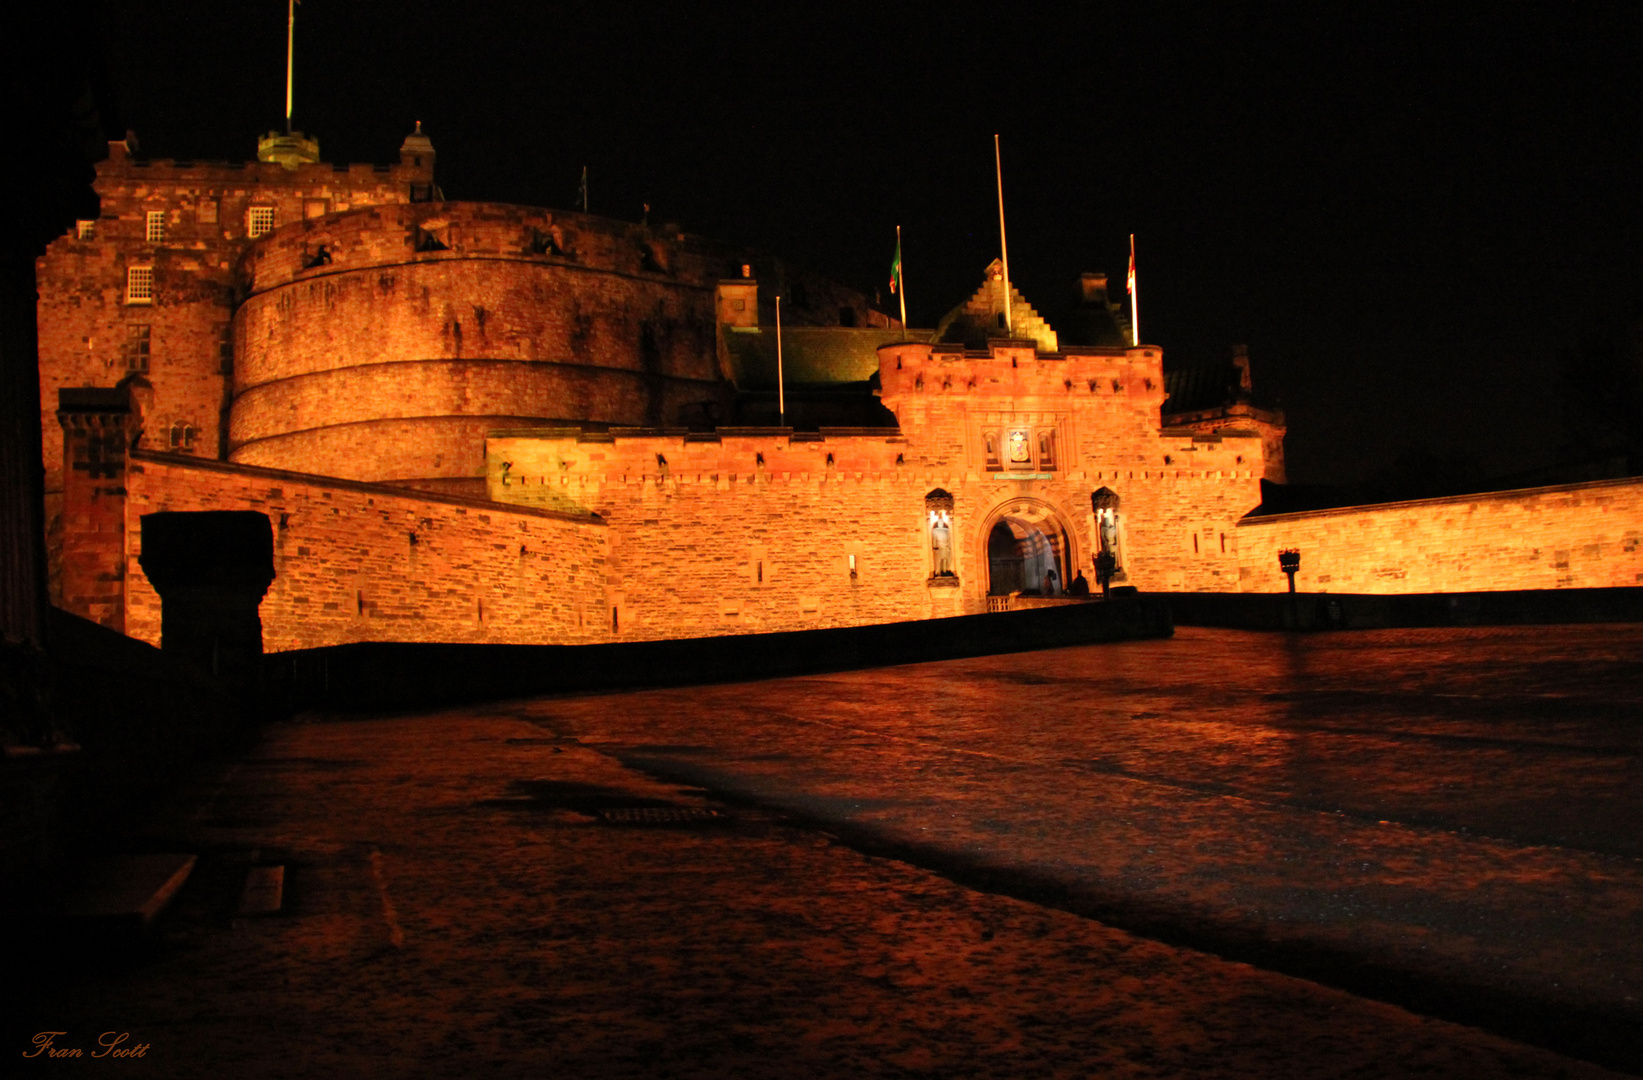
<point>1029,550</point>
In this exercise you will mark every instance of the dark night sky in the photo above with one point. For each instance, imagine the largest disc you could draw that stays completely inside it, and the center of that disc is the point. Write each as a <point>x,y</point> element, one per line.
<point>1405,211</point>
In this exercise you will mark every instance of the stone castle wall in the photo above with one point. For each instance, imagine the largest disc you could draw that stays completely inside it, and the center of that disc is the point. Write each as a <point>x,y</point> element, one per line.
<point>1572,536</point>
<point>361,562</point>
<point>86,320</point>
<point>174,351</point>
<point>609,324</point>
<point>1180,494</point>
<point>720,543</point>
<point>747,530</point>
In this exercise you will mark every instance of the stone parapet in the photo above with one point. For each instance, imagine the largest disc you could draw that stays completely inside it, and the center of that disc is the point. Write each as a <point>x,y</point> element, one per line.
<point>1570,536</point>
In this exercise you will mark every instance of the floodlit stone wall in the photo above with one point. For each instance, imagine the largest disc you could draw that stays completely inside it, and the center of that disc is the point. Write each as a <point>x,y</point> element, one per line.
<point>451,316</point>
<point>1572,536</point>
<point>364,562</point>
<point>763,529</point>
<point>173,348</point>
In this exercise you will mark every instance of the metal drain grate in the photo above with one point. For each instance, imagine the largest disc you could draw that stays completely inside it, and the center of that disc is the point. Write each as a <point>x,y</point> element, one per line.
<point>660,815</point>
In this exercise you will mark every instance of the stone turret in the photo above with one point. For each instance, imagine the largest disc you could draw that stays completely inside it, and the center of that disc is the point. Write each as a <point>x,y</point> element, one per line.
<point>416,157</point>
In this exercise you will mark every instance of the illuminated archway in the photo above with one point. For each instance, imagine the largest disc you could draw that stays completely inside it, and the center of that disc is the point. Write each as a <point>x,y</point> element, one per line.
<point>1029,549</point>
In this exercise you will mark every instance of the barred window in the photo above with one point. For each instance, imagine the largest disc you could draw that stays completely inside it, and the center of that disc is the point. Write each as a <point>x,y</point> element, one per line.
<point>156,226</point>
<point>137,347</point>
<point>259,221</point>
<point>139,284</point>
<point>85,230</point>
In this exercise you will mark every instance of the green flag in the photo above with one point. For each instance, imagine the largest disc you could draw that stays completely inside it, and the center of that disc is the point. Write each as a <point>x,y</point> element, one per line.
<point>895,266</point>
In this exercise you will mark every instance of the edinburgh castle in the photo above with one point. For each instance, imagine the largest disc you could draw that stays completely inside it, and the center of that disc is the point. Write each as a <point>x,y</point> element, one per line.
<point>478,422</point>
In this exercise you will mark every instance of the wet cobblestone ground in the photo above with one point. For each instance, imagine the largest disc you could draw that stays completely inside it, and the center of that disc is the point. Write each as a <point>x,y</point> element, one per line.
<point>1449,817</point>
<point>462,901</point>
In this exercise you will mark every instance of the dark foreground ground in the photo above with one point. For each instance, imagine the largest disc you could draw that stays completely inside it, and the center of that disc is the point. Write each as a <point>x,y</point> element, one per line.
<point>1445,817</point>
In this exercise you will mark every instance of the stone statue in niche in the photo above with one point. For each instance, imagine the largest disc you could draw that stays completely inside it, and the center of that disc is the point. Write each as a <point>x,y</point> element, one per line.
<point>1109,531</point>
<point>1105,505</point>
<point>941,546</point>
<point>938,506</point>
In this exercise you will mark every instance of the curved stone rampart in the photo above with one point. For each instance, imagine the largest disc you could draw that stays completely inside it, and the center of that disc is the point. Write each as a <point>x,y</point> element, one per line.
<point>426,311</point>
<point>568,393</point>
<point>393,451</point>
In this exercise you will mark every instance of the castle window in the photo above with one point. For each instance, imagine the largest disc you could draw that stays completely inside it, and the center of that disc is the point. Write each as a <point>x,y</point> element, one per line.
<point>139,284</point>
<point>1046,451</point>
<point>137,346</point>
<point>259,221</point>
<point>85,230</point>
<point>156,227</point>
<point>206,212</point>
<point>990,441</point>
<point>182,437</point>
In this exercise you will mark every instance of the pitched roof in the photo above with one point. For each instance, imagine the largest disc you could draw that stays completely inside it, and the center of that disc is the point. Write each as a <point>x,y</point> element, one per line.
<point>1097,320</point>
<point>1202,386</point>
<point>1213,385</point>
<point>811,355</point>
<point>981,317</point>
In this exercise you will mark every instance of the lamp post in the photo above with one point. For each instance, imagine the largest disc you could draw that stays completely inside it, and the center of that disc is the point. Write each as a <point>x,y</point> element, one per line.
<point>1105,564</point>
<point>1289,560</point>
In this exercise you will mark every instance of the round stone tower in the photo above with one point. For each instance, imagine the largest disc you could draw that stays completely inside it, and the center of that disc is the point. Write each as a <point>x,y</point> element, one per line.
<point>383,343</point>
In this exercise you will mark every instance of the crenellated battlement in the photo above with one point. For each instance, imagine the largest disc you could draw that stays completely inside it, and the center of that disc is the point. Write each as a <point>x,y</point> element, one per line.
<point>1016,370</point>
<point>454,231</point>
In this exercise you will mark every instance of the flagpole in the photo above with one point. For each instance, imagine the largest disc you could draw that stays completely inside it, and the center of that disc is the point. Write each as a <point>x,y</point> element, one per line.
<point>901,281</point>
<point>290,46</point>
<point>1004,247</point>
<point>1135,298</point>
<point>781,391</point>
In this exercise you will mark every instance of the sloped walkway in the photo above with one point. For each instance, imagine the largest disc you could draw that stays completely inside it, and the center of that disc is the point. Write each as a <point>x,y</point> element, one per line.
<point>470,895</point>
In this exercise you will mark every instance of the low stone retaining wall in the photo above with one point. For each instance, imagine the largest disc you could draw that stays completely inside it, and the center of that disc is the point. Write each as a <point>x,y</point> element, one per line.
<point>1364,611</point>
<point>406,675</point>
